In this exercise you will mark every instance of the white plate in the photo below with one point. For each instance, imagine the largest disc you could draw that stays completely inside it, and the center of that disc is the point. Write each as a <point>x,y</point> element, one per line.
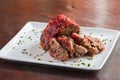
<point>24,47</point>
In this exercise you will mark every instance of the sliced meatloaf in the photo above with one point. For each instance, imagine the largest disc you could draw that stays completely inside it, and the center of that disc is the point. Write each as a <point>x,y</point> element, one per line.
<point>72,48</point>
<point>93,45</point>
<point>67,43</point>
<point>80,50</point>
<point>62,39</point>
<point>57,51</point>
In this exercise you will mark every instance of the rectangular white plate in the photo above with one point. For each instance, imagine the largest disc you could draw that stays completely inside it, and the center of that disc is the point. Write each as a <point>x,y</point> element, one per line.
<point>24,47</point>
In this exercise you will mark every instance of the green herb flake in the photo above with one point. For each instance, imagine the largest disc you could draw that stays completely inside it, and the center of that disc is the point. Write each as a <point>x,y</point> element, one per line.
<point>101,35</point>
<point>91,33</point>
<point>24,49</point>
<point>35,41</point>
<point>35,34</point>
<point>24,52</point>
<point>71,64</point>
<point>83,63</point>
<point>103,40</point>
<point>106,39</point>
<point>29,37</point>
<point>34,57</point>
<point>78,64</point>
<point>104,43</point>
<point>88,65</point>
<point>21,37</point>
<point>13,47</point>
<point>33,30</point>
<point>75,64</point>
<point>90,58</point>
<point>110,40</point>
<point>37,55</point>
<point>79,60</point>
<point>50,61</point>
<point>39,59</point>
<point>30,54</point>
<point>18,43</point>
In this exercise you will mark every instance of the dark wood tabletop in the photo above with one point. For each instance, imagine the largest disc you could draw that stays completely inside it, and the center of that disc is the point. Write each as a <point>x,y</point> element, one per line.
<point>14,14</point>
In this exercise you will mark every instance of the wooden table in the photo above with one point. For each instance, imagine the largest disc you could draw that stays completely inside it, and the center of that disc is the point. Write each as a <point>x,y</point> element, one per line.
<point>94,13</point>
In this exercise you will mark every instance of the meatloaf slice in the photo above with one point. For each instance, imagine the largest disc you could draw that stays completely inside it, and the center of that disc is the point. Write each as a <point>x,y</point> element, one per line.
<point>80,50</point>
<point>67,43</point>
<point>72,48</point>
<point>60,25</point>
<point>57,51</point>
<point>93,45</point>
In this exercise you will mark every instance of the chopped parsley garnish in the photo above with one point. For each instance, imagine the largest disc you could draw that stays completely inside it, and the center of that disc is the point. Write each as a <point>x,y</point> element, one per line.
<point>91,33</point>
<point>38,59</point>
<point>13,47</point>
<point>90,58</point>
<point>21,36</point>
<point>18,43</point>
<point>24,52</point>
<point>30,54</point>
<point>110,40</point>
<point>35,41</point>
<point>29,37</point>
<point>24,49</point>
<point>50,61</point>
<point>83,63</point>
<point>104,43</point>
<point>34,57</point>
<point>104,40</point>
<point>33,30</point>
<point>77,64</point>
<point>71,64</point>
<point>88,65</point>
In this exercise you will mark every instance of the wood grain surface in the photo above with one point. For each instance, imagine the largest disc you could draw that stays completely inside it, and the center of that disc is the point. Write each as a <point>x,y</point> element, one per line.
<point>93,13</point>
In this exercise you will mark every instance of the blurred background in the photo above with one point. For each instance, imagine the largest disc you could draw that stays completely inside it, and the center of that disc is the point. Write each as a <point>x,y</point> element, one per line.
<point>102,13</point>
